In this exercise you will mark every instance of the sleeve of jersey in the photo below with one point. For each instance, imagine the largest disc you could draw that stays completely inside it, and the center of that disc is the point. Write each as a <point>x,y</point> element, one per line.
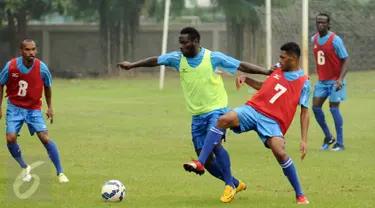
<point>4,74</point>
<point>170,59</point>
<point>340,49</point>
<point>46,75</point>
<point>222,61</point>
<point>312,40</point>
<point>305,94</point>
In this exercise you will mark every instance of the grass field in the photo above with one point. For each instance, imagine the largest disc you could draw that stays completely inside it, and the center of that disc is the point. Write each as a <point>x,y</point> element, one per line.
<point>130,131</point>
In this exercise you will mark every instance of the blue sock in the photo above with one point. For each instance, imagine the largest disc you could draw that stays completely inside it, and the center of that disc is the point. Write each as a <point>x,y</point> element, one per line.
<point>215,170</point>
<point>338,125</point>
<point>223,159</point>
<point>291,173</point>
<point>214,137</point>
<point>15,151</point>
<point>53,154</point>
<point>320,118</point>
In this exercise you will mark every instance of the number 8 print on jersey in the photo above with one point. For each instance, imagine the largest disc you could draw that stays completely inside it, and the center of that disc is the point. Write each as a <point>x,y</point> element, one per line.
<point>25,90</point>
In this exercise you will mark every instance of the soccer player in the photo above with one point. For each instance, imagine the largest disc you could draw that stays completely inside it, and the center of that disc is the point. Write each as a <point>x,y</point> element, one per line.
<point>24,78</point>
<point>269,113</point>
<point>331,63</point>
<point>205,95</point>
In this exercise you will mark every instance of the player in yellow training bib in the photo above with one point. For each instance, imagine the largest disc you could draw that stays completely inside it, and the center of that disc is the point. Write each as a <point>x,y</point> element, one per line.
<point>205,96</point>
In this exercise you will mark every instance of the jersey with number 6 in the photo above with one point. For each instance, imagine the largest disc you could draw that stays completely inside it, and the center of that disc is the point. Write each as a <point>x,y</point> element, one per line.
<point>25,90</point>
<point>328,63</point>
<point>278,98</point>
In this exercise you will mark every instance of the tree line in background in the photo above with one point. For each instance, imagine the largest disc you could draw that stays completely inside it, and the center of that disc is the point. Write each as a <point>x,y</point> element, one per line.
<point>119,20</point>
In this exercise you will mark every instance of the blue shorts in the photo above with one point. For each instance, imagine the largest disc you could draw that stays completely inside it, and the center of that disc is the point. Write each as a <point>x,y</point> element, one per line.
<point>328,89</point>
<point>16,116</point>
<point>250,119</point>
<point>201,125</point>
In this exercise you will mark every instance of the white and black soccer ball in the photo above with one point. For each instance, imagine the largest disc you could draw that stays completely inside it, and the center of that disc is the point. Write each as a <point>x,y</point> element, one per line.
<point>113,191</point>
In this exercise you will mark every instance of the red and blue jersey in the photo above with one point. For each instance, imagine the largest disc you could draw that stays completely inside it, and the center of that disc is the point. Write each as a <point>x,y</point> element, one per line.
<point>279,97</point>
<point>329,51</point>
<point>24,86</point>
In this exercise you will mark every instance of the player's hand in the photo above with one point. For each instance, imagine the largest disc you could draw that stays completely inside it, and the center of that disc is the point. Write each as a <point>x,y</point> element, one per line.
<point>240,81</point>
<point>338,84</point>
<point>125,65</point>
<point>50,115</point>
<point>273,68</point>
<point>303,149</point>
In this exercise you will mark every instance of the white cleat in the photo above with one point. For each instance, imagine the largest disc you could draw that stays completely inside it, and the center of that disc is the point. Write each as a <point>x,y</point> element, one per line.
<point>63,178</point>
<point>26,174</point>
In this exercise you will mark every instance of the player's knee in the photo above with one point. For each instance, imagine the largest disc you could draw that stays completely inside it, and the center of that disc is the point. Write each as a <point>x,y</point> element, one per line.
<point>43,136</point>
<point>11,138</point>
<point>277,145</point>
<point>334,105</point>
<point>281,156</point>
<point>224,122</point>
<point>318,102</point>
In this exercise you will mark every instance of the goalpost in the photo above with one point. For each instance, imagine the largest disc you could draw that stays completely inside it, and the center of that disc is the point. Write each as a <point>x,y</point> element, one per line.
<point>165,40</point>
<point>305,36</point>
<point>268,16</point>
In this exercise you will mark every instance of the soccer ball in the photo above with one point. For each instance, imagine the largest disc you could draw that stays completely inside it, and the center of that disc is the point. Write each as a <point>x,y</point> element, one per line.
<point>113,191</point>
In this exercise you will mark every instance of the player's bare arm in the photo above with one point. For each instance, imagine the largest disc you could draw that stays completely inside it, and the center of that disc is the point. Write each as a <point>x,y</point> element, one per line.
<point>249,81</point>
<point>147,62</point>
<point>344,70</point>
<point>48,95</point>
<point>1,99</point>
<point>253,69</point>
<point>305,122</point>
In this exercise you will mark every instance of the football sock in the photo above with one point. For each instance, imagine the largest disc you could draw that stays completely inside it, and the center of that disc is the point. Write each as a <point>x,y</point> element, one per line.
<point>320,118</point>
<point>291,173</point>
<point>15,151</point>
<point>213,138</point>
<point>215,170</point>
<point>338,125</point>
<point>53,154</point>
<point>224,161</point>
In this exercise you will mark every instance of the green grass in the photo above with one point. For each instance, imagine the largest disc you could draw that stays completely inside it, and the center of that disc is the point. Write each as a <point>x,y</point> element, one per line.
<point>130,131</point>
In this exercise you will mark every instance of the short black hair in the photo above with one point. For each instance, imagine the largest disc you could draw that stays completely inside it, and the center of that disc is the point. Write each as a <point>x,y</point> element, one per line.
<point>325,14</point>
<point>291,48</point>
<point>192,33</point>
<point>25,40</point>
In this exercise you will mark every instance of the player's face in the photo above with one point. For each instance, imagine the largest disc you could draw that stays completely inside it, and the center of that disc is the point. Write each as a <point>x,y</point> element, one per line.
<point>286,61</point>
<point>187,46</point>
<point>322,23</point>
<point>29,51</point>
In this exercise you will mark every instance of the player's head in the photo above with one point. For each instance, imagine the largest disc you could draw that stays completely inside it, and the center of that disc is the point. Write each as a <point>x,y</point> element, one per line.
<point>189,41</point>
<point>28,50</point>
<point>289,56</point>
<point>322,22</point>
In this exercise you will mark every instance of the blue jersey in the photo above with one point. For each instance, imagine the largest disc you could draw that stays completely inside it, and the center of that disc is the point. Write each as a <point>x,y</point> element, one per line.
<point>218,60</point>
<point>305,94</point>
<point>44,72</point>
<point>338,44</point>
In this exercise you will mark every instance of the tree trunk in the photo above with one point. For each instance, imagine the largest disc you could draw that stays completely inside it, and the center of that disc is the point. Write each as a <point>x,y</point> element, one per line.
<point>103,27</point>
<point>12,34</point>
<point>247,43</point>
<point>21,25</point>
